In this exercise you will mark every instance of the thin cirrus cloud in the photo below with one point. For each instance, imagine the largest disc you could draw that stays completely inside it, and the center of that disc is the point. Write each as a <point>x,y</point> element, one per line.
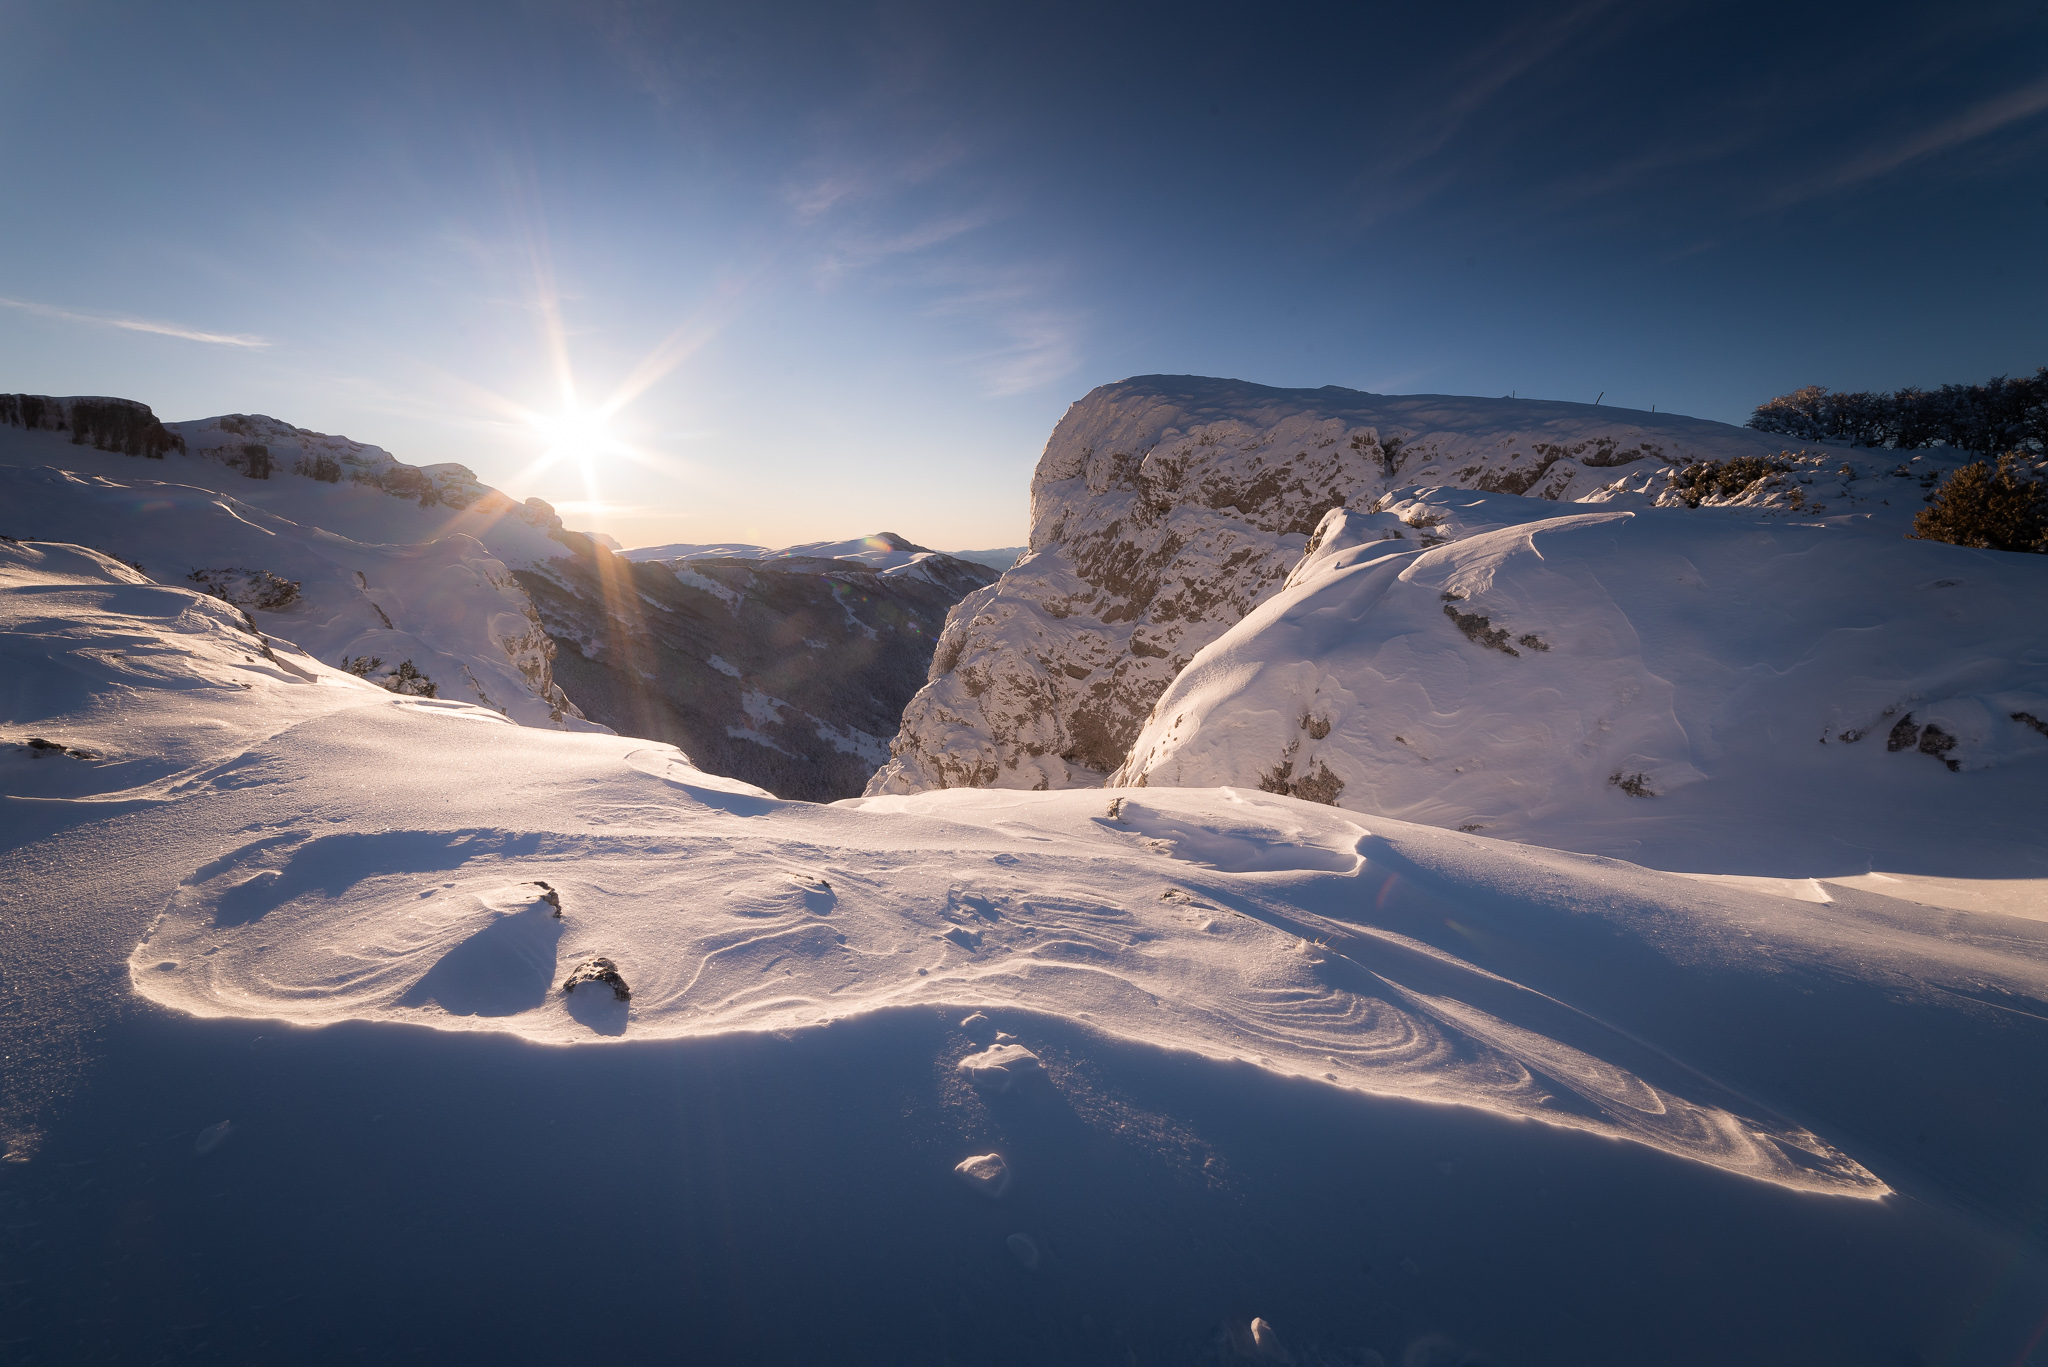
<point>1040,341</point>
<point>856,250</point>
<point>1974,123</point>
<point>1043,347</point>
<point>137,325</point>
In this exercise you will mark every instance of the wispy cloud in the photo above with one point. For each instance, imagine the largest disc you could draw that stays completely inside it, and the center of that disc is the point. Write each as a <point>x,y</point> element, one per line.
<point>851,180</point>
<point>854,250</point>
<point>1974,123</point>
<point>136,325</point>
<point>1043,346</point>
<point>1528,47</point>
<point>1036,341</point>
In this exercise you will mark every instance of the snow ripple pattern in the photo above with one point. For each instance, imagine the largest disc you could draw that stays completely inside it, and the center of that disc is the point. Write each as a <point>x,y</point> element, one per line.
<point>1235,924</point>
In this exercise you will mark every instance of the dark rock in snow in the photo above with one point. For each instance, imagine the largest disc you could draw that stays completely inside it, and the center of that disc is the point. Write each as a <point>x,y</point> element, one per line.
<point>52,747</point>
<point>551,897</point>
<point>599,971</point>
<point>121,425</point>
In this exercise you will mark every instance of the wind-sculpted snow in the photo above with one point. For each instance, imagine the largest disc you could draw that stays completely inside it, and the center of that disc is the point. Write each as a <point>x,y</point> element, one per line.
<point>83,636</point>
<point>1166,508</point>
<point>1238,924</point>
<point>1645,683</point>
<point>1235,924</point>
<point>729,911</point>
<point>1066,1039</point>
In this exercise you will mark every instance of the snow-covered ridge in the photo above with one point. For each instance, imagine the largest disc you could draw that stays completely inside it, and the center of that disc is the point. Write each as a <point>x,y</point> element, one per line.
<point>266,447</point>
<point>1652,683</point>
<point>441,618</point>
<point>399,574</point>
<point>1165,508</point>
<point>102,423</point>
<point>882,553</point>
<point>426,581</point>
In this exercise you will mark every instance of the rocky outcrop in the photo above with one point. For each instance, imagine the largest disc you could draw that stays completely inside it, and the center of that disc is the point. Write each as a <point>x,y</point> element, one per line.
<point>121,425</point>
<point>1166,508</point>
<point>265,448</point>
<point>790,673</point>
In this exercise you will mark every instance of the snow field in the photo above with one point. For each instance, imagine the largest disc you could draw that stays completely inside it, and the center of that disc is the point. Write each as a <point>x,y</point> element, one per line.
<point>1241,1056</point>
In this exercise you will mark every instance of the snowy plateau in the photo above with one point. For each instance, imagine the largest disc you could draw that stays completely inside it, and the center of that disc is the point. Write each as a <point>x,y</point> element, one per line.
<point>1383,881</point>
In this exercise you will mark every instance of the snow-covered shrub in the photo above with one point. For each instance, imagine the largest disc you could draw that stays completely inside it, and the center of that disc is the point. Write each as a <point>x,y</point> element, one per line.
<point>1729,479</point>
<point>1996,510</point>
<point>405,679</point>
<point>258,589</point>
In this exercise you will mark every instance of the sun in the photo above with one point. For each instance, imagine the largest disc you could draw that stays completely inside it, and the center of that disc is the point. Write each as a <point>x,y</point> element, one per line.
<point>574,433</point>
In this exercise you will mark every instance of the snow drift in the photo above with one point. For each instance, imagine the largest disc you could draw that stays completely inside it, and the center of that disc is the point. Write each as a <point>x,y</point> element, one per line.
<point>1687,689</point>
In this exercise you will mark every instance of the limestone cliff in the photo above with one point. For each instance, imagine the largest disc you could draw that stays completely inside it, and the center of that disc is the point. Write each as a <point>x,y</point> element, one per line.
<point>1167,507</point>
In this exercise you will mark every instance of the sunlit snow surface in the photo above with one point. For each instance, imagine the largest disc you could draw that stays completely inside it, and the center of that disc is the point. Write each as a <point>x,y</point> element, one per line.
<point>1368,953</point>
<point>1707,691</point>
<point>334,855</point>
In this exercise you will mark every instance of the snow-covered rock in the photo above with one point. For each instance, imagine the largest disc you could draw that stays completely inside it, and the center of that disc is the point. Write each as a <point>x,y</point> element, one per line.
<point>263,448</point>
<point>122,426</point>
<point>1166,508</point>
<point>1001,1068</point>
<point>399,574</point>
<point>987,1173</point>
<point>1643,683</point>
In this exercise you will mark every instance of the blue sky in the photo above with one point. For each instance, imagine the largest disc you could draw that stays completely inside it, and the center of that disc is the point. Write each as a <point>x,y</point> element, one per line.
<point>839,268</point>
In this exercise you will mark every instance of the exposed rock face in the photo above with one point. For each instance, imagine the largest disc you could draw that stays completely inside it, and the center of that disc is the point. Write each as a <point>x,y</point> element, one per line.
<point>789,673</point>
<point>1165,508</point>
<point>121,425</point>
